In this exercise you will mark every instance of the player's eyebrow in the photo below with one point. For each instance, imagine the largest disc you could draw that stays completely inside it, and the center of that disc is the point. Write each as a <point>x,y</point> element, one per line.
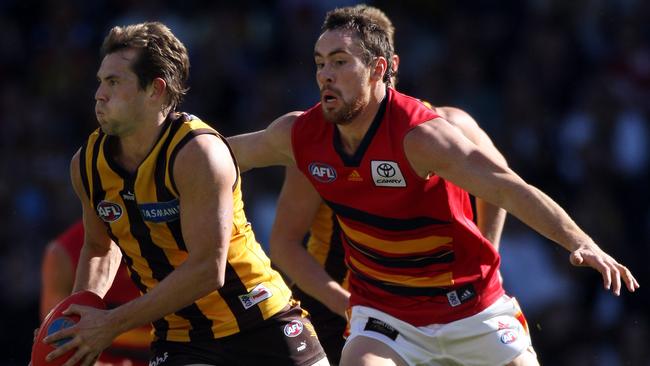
<point>107,77</point>
<point>333,52</point>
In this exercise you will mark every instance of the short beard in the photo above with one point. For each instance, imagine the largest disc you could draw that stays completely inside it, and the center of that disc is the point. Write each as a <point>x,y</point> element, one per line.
<point>348,112</point>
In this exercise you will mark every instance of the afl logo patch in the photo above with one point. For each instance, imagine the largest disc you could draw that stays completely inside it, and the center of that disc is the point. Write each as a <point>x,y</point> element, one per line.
<point>322,172</point>
<point>293,329</point>
<point>109,211</point>
<point>508,337</point>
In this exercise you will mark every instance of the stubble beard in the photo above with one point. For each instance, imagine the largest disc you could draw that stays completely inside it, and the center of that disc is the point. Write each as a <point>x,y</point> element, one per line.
<point>107,127</point>
<point>347,113</point>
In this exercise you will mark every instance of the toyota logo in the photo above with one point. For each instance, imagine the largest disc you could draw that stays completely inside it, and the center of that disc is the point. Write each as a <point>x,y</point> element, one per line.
<point>385,170</point>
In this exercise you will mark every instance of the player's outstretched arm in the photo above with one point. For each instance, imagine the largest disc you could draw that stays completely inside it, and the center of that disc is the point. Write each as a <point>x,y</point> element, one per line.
<point>438,147</point>
<point>268,147</point>
<point>296,210</point>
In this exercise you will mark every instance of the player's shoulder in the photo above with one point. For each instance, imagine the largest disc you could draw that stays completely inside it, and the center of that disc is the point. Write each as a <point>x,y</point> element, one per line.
<point>464,122</point>
<point>441,130</point>
<point>204,159</point>
<point>284,123</point>
<point>455,116</point>
<point>288,118</point>
<point>189,123</point>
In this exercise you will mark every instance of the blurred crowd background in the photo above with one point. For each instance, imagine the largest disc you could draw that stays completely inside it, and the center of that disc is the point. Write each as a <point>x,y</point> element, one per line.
<point>562,87</point>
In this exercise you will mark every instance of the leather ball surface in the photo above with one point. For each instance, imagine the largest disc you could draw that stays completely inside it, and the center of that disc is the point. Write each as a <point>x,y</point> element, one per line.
<point>55,321</point>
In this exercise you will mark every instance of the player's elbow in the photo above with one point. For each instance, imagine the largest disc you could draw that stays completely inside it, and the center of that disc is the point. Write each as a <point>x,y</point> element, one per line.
<point>210,276</point>
<point>216,276</point>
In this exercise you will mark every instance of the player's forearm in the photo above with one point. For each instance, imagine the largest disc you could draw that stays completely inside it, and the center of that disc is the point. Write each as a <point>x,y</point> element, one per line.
<point>96,269</point>
<point>490,220</point>
<point>315,281</point>
<point>187,283</point>
<point>540,212</point>
<point>312,278</point>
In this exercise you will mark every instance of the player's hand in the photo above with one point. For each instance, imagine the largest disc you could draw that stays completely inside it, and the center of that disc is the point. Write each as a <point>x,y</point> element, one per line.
<point>612,271</point>
<point>90,336</point>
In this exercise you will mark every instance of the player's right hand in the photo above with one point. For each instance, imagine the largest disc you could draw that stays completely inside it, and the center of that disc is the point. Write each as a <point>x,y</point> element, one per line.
<point>612,271</point>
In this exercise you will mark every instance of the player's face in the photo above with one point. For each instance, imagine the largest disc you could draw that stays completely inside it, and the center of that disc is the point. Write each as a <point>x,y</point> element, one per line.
<point>343,78</point>
<point>118,100</point>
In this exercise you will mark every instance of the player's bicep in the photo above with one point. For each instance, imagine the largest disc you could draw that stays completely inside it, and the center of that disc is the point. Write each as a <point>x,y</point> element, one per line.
<point>251,149</point>
<point>471,129</point>
<point>439,148</point>
<point>205,173</point>
<point>268,147</point>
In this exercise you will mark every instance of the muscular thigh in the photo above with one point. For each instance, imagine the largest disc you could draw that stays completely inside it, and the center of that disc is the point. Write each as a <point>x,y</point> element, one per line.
<point>364,351</point>
<point>527,358</point>
<point>494,336</point>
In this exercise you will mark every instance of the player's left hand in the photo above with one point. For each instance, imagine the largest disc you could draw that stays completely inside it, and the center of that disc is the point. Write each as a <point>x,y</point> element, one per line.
<point>90,336</point>
<point>612,271</point>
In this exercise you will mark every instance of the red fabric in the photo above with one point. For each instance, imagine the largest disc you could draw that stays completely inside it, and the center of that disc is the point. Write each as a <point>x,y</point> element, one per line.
<point>123,288</point>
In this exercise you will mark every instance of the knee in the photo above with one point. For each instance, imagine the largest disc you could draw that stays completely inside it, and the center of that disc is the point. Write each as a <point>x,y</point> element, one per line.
<point>367,351</point>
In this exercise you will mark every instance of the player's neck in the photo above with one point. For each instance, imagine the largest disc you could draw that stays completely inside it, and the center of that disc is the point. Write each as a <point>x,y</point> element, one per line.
<point>133,148</point>
<point>353,133</point>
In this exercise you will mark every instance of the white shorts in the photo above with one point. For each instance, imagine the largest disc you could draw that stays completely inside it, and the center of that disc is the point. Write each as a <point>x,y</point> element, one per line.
<point>495,336</point>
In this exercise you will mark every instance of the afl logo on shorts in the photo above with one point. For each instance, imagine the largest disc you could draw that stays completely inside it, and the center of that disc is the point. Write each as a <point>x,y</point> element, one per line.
<point>508,337</point>
<point>322,172</point>
<point>109,211</point>
<point>293,329</point>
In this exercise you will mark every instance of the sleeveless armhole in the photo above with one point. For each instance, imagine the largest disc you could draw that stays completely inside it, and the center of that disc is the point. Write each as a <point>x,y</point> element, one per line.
<point>82,170</point>
<point>234,161</point>
<point>172,158</point>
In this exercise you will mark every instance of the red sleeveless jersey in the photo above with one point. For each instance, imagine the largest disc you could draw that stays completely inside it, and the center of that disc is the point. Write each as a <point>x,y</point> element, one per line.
<point>412,250</point>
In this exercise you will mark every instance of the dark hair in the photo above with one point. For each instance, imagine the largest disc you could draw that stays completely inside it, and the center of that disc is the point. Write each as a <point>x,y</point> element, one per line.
<point>373,29</point>
<point>161,55</point>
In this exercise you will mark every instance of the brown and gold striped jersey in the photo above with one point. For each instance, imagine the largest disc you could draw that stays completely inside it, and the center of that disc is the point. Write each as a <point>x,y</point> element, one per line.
<point>141,211</point>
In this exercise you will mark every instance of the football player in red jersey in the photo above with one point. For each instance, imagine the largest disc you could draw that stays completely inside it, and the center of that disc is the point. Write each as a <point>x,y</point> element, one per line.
<point>423,280</point>
<point>320,282</point>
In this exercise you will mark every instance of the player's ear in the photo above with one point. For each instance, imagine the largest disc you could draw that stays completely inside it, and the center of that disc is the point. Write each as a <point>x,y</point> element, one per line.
<point>158,88</point>
<point>379,68</point>
<point>395,63</point>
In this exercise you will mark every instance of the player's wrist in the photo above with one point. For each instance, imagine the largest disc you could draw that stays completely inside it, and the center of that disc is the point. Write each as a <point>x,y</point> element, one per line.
<point>118,321</point>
